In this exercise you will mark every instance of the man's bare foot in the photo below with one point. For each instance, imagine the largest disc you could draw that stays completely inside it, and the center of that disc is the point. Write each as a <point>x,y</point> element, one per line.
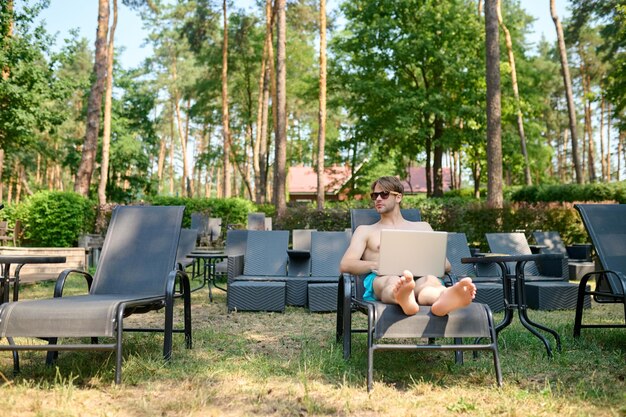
<point>459,295</point>
<point>404,295</point>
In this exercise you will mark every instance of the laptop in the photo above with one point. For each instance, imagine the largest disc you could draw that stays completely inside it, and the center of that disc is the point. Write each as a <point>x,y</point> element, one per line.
<point>421,252</point>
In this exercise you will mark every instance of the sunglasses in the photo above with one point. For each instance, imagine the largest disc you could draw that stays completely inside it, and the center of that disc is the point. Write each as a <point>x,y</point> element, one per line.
<point>383,194</point>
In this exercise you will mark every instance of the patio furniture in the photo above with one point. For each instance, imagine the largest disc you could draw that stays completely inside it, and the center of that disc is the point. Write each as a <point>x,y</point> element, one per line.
<point>200,222</point>
<point>299,264</point>
<point>214,229</point>
<point>515,291</point>
<point>371,216</point>
<point>606,226</point>
<point>261,285</point>
<point>136,274</point>
<point>578,256</point>
<point>487,278</point>
<point>234,249</point>
<point>6,233</point>
<point>186,245</point>
<point>327,249</point>
<point>388,328</point>
<point>256,221</point>
<point>559,295</point>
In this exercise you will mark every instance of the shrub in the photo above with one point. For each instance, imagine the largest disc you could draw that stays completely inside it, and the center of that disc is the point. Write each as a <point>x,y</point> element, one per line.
<point>570,193</point>
<point>56,218</point>
<point>230,210</point>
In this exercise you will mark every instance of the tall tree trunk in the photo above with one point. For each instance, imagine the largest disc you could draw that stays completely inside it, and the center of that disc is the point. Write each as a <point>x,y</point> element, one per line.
<point>520,116</point>
<point>280,159</point>
<point>603,157</point>
<point>608,141</point>
<point>586,84</point>
<point>437,158</point>
<point>620,146</point>
<point>429,165</point>
<point>256,148</point>
<point>321,136</point>
<point>171,155</point>
<point>1,182</point>
<point>183,144</point>
<point>562,156</point>
<point>94,108</point>
<point>106,129</point>
<point>494,144</point>
<point>567,83</point>
<point>161,162</point>
<point>265,81</point>
<point>7,32</point>
<point>225,119</point>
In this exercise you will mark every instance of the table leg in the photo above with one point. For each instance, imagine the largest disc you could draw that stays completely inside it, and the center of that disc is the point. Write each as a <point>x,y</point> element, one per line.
<point>203,274</point>
<point>509,304</point>
<point>207,278</point>
<point>16,282</point>
<point>213,275</point>
<point>523,313</point>
<point>4,285</point>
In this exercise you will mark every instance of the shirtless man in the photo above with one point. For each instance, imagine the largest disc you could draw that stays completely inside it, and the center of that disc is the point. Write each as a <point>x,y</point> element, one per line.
<point>362,255</point>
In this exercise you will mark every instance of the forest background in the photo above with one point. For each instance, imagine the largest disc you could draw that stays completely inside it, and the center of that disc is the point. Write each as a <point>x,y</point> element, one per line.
<point>406,85</point>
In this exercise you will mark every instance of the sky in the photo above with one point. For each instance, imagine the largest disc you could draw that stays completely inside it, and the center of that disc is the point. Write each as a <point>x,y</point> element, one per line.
<point>63,15</point>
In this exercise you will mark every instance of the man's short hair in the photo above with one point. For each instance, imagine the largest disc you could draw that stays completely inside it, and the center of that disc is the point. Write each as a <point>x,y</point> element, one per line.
<point>389,183</point>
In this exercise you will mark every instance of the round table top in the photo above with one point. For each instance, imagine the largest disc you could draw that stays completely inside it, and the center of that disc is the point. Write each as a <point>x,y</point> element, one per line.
<point>207,255</point>
<point>499,257</point>
<point>32,259</point>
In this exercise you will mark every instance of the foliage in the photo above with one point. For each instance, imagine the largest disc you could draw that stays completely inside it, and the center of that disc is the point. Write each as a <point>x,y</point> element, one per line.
<point>56,218</point>
<point>414,74</point>
<point>232,211</point>
<point>595,192</point>
<point>289,364</point>
<point>28,88</point>
<point>308,217</point>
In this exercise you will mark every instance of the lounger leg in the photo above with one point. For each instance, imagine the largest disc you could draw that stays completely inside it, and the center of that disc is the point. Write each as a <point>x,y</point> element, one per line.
<point>187,313</point>
<point>458,354</point>
<point>370,350</point>
<point>52,354</point>
<point>582,287</point>
<point>169,325</point>
<point>16,358</point>
<point>339,330</point>
<point>118,347</point>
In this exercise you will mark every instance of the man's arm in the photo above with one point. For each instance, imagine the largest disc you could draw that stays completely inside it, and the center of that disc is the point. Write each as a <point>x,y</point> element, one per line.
<point>351,262</point>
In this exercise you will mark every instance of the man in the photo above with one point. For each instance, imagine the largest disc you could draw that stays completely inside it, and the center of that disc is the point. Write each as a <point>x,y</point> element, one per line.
<point>362,256</point>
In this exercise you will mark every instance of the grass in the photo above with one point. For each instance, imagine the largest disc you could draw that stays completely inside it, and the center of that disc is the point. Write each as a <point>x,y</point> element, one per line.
<point>273,364</point>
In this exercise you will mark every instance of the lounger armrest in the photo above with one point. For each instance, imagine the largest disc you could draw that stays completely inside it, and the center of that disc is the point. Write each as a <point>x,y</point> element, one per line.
<point>450,279</point>
<point>60,283</point>
<point>234,267</point>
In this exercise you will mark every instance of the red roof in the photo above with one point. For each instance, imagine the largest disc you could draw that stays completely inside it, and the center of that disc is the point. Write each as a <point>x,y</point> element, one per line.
<point>416,181</point>
<point>303,180</point>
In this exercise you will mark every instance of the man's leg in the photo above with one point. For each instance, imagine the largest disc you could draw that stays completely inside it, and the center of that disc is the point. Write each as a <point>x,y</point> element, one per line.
<point>397,290</point>
<point>430,291</point>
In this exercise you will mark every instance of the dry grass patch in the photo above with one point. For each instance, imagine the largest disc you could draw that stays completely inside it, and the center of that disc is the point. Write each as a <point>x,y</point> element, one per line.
<point>272,364</point>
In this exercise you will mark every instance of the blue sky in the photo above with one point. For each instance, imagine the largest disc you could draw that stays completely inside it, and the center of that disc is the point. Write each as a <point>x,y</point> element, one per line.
<point>63,15</point>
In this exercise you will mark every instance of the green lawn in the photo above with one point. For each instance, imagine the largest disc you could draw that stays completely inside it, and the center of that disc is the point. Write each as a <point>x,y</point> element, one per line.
<point>272,364</point>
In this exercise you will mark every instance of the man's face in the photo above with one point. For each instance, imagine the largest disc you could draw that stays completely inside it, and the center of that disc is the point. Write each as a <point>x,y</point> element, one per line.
<point>386,205</point>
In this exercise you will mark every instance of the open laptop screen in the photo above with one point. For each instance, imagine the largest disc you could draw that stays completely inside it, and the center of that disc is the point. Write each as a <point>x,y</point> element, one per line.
<point>421,252</point>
